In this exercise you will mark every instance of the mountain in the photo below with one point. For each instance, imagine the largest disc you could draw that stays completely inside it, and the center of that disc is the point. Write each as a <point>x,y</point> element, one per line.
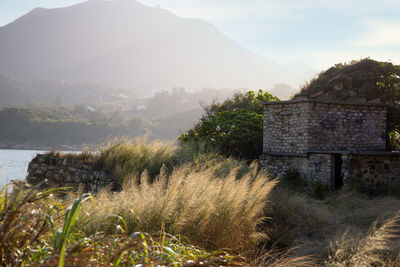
<point>128,45</point>
<point>12,92</point>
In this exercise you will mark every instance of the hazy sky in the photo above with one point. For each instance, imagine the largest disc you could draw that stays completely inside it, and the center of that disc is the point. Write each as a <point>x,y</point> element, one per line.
<point>318,33</point>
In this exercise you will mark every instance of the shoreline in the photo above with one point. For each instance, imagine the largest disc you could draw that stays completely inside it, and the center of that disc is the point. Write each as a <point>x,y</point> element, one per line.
<point>41,147</point>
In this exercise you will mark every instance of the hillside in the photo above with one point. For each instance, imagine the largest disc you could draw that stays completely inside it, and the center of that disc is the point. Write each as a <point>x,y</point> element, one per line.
<point>126,44</point>
<point>19,93</point>
<point>366,80</point>
<point>164,116</point>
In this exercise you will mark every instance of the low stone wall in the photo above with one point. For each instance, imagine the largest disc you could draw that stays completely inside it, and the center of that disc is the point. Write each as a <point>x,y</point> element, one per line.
<point>278,165</point>
<point>374,171</point>
<point>312,167</point>
<point>378,171</point>
<point>67,172</point>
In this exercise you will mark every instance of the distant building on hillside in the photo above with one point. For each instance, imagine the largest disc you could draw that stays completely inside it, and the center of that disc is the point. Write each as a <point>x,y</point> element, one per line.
<point>329,142</point>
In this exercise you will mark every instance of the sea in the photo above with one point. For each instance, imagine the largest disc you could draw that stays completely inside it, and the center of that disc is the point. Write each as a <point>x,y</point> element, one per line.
<point>14,164</point>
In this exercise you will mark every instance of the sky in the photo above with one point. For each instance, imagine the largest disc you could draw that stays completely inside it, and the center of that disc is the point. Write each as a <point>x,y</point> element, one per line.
<point>311,33</point>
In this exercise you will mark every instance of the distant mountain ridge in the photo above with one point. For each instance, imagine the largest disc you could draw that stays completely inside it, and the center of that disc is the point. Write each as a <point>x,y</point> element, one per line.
<point>126,44</point>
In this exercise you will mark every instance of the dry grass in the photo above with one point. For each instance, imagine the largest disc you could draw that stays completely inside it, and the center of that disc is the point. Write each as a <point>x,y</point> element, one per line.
<point>125,157</point>
<point>211,212</point>
<point>22,223</point>
<point>37,229</point>
<point>309,227</point>
<point>200,199</point>
<point>294,218</point>
<point>283,259</point>
<point>381,247</point>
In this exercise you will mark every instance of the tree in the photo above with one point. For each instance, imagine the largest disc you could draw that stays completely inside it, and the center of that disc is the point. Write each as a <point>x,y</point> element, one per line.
<point>233,127</point>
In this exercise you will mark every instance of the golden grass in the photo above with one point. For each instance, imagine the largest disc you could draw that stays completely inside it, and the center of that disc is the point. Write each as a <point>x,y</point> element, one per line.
<point>127,157</point>
<point>29,236</point>
<point>211,212</point>
<point>381,247</point>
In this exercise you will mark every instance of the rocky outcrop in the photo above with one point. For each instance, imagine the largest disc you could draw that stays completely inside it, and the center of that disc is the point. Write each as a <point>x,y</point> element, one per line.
<point>353,83</point>
<point>50,170</point>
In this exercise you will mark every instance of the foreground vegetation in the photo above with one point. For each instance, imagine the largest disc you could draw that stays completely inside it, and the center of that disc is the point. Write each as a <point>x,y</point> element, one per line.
<point>29,237</point>
<point>192,204</point>
<point>204,209</point>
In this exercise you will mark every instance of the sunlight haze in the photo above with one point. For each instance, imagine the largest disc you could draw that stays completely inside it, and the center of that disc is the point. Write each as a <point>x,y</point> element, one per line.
<point>307,34</point>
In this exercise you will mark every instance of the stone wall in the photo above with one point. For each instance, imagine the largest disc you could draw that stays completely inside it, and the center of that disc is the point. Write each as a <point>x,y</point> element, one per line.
<point>374,171</point>
<point>346,127</point>
<point>285,127</point>
<point>59,171</point>
<point>329,142</point>
<point>320,168</point>
<point>277,165</point>
<point>303,126</point>
<point>312,167</point>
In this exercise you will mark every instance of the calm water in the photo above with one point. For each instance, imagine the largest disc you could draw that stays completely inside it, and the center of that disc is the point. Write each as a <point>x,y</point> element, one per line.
<point>14,164</point>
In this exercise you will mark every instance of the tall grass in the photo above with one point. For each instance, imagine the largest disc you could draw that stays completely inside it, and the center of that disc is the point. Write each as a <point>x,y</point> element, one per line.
<point>27,216</point>
<point>309,226</point>
<point>211,212</point>
<point>23,223</point>
<point>381,247</point>
<point>124,157</point>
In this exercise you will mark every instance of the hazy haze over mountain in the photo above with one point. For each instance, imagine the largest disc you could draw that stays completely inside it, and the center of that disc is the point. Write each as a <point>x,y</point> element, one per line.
<point>126,44</point>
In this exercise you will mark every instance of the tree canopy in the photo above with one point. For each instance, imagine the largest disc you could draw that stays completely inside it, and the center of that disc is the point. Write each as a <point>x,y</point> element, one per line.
<point>233,127</point>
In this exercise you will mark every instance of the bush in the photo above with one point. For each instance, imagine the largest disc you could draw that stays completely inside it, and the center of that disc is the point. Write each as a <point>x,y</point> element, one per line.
<point>232,133</point>
<point>232,128</point>
<point>394,139</point>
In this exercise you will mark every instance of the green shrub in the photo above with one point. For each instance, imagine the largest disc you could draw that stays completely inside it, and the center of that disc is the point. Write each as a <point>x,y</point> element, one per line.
<point>394,139</point>
<point>232,128</point>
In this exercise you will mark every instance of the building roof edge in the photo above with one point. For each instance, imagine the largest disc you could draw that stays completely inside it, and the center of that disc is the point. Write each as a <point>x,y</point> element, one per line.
<point>323,102</point>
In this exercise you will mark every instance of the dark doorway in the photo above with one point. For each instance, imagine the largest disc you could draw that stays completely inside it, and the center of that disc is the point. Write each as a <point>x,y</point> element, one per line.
<point>337,182</point>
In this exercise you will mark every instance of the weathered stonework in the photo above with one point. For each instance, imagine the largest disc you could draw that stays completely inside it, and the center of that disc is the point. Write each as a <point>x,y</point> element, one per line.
<point>57,171</point>
<point>329,142</point>
<point>301,126</point>
<point>375,171</point>
<point>314,167</point>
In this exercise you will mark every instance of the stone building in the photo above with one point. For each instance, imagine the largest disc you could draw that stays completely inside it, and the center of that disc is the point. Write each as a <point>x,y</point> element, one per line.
<point>329,142</point>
